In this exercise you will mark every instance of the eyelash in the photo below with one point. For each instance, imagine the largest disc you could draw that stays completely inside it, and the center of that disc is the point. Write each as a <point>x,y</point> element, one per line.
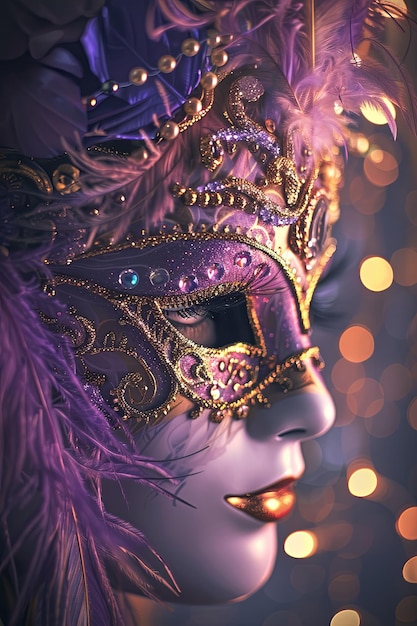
<point>192,311</point>
<point>253,284</point>
<point>210,307</point>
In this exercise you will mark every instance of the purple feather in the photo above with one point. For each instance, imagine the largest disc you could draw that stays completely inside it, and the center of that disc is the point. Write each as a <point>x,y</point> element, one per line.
<point>60,447</point>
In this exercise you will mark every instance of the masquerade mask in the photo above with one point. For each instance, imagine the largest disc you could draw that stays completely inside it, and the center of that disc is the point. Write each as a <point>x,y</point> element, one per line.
<point>216,317</point>
<point>217,313</point>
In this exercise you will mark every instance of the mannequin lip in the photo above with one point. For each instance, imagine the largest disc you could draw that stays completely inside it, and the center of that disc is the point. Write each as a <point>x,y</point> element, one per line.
<point>268,504</point>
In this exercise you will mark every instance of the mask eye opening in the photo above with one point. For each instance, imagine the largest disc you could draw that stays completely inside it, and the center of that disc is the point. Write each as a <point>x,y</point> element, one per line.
<point>216,322</point>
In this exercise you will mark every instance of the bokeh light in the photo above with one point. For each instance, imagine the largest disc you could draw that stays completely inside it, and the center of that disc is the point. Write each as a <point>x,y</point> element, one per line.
<point>380,167</point>
<point>376,273</point>
<point>347,617</point>
<point>362,482</point>
<point>344,587</point>
<point>412,413</point>
<point>316,505</point>
<point>392,12</point>
<point>410,570</point>
<point>404,265</point>
<point>365,397</point>
<point>300,544</point>
<point>376,115</point>
<point>356,344</point>
<point>407,524</point>
<point>385,422</point>
<point>333,537</point>
<point>365,197</point>
<point>406,611</point>
<point>344,373</point>
<point>396,381</point>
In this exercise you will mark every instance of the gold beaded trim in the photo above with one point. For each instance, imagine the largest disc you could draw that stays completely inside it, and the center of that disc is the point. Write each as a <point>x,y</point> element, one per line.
<point>303,298</point>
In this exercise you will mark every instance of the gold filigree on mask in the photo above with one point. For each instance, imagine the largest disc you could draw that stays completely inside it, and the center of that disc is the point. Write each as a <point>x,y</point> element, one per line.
<point>286,175</point>
<point>136,392</point>
<point>225,380</point>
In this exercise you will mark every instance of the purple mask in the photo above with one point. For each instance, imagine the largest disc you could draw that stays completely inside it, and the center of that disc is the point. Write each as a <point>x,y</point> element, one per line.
<point>216,317</point>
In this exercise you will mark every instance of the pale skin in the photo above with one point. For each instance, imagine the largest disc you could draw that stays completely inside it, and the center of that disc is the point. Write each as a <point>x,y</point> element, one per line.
<point>216,553</point>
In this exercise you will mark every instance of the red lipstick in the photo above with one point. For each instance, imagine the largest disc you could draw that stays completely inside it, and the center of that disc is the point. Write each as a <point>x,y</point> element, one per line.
<point>269,504</point>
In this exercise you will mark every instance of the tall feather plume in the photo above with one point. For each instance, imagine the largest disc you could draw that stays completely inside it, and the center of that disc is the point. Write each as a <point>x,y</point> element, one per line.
<point>60,447</point>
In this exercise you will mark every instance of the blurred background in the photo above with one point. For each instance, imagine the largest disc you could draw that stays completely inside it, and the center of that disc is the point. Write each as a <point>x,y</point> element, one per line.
<point>348,552</point>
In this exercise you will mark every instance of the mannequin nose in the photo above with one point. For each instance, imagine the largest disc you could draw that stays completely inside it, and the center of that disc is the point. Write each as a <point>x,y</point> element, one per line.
<point>298,415</point>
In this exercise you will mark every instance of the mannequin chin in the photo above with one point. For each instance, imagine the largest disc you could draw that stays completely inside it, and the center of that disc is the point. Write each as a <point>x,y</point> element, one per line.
<point>217,553</point>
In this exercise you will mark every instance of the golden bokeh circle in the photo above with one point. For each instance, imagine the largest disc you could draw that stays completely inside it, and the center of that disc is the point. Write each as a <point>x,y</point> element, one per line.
<point>362,482</point>
<point>404,265</point>
<point>300,544</point>
<point>347,617</point>
<point>406,610</point>
<point>406,524</point>
<point>410,570</point>
<point>396,381</point>
<point>365,397</point>
<point>412,413</point>
<point>356,344</point>
<point>376,273</point>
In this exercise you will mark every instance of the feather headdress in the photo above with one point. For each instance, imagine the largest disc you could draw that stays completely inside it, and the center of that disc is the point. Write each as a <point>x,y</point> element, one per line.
<point>320,62</point>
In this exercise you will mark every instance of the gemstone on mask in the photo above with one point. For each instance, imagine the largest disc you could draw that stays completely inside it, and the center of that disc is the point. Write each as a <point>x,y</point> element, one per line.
<point>262,270</point>
<point>243,259</point>
<point>188,283</point>
<point>215,392</point>
<point>129,279</point>
<point>159,277</point>
<point>215,271</point>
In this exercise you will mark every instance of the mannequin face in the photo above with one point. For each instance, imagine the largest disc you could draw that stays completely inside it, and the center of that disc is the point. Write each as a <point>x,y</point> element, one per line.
<point>216,552</point>
<point>219,545</point>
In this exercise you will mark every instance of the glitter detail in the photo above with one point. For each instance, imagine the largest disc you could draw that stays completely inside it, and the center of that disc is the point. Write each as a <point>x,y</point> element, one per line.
<point>262,270</point>
<point>188,283</point>
<point>129,279</point>
<point>243,259</point>
<point>251,88</point>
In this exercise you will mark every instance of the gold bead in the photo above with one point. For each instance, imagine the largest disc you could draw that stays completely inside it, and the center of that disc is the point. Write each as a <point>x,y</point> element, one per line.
<point>170,130</point>
<point>215,392</point>
<point>190,197</point>
<point>225,39</point>
<point>138,76</point>
<point>66,179</point>
<point>209,81</point>
<point>178,190</point>
<point>193,106</point>
<point>190,47</point>
<point>141,154</point>
<point>219,57</point>
<point>167,64</point>
<point>216,416</point>
<point>213,39</point>
<point>203,198</point>
<point>270,125</point>
<point>242,412</point>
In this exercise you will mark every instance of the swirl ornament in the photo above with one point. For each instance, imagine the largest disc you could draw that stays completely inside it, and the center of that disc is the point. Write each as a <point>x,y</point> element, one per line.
<point>284,174</point>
